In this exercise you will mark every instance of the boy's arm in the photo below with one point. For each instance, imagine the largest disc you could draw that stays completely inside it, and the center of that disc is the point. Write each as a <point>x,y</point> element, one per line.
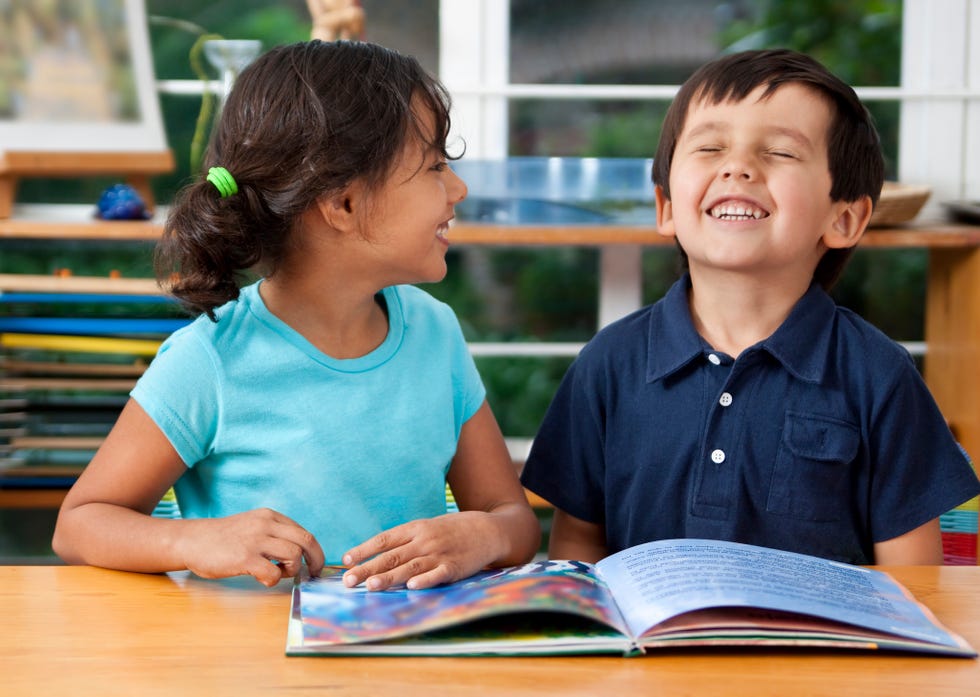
<point>574,538</point>
<point>923,545</point>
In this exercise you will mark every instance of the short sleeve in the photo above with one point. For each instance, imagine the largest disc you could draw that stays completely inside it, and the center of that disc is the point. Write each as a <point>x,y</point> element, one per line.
<point>181,394</point>
<point>920,472</point>
<point>467,383</point>
<point>566,464</point>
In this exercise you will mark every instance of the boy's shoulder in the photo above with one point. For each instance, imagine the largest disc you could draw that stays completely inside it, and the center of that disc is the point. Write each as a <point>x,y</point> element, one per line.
<point>668,313</point>
<point>623,341</point>
<point>875,344</point>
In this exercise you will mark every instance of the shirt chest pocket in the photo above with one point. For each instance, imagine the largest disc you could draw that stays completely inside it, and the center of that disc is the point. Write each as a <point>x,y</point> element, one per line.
<point>810,475</point>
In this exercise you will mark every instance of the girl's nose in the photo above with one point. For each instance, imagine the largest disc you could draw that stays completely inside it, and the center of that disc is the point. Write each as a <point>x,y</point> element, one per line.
<point>456,187</point>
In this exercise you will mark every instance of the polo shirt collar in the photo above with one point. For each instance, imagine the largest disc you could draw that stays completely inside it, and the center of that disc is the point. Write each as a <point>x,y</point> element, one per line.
<point>800,344</point>
<point>672,342</point>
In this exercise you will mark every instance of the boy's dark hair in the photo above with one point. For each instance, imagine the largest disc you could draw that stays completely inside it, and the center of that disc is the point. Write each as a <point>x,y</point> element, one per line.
<point>302,121</point>
<point>853,148</point>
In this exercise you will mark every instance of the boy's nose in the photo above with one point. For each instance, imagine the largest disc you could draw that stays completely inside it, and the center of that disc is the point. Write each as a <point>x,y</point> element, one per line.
<point>738,168</point>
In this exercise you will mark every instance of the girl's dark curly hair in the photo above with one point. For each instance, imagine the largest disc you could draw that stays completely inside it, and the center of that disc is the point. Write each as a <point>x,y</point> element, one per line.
<point>302,121</point>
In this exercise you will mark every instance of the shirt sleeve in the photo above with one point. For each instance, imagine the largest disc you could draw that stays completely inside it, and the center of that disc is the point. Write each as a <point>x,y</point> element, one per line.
<point>566,464</point>
<point>469,390</point>
<point>920,471</point>
<point>180,392</point>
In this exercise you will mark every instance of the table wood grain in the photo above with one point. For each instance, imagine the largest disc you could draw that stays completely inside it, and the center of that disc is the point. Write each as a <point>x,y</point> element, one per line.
<point>85,631</point>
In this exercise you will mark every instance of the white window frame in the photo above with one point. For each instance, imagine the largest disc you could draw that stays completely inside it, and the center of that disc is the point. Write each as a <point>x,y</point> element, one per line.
<point>939,138</point>
<point>939,135</point>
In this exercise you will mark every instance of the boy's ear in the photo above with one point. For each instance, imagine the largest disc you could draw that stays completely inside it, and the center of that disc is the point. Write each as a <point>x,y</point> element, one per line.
<point>850,221</point>
<point>665,213</point>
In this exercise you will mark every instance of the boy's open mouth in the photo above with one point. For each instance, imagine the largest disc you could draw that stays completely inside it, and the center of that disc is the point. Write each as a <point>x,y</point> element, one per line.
<point>737,211</point>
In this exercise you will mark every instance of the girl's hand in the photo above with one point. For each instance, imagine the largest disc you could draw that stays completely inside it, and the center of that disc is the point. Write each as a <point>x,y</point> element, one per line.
<point>260,543</point>
<point>426,553</point>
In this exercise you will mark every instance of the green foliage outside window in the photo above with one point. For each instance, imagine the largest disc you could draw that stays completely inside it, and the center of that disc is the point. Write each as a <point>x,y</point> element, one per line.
<point>516,295</point>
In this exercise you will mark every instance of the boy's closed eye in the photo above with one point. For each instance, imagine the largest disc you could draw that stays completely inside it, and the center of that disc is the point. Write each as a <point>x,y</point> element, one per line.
<point>708,148</point>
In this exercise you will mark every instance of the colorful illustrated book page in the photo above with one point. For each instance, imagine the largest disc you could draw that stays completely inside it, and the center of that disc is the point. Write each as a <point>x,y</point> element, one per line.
<point>671,593</point>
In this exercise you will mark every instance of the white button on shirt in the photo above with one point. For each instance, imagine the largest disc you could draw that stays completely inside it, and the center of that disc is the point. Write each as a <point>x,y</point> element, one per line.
<point>725,399</point>
<point>713,359</point>
<point>717,456</point>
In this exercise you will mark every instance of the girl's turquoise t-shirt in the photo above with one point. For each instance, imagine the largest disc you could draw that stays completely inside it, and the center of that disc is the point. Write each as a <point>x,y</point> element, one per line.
<point>346,448</point>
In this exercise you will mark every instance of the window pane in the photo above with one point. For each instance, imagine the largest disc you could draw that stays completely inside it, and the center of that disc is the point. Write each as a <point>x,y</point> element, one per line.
<point>660,42</point>
<point>585,127</point>
<point>408,27</point>
<point>625,42</point>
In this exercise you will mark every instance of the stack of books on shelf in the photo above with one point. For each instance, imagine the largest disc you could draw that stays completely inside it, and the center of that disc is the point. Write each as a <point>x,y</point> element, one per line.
<point>67,363</point>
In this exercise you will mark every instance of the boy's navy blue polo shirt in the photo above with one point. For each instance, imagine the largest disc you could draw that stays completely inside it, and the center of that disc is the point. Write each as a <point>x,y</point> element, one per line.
<point>822,439</point>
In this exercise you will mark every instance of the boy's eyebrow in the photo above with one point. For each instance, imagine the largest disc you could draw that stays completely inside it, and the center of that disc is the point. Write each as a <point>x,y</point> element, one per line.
<point>794,134</point>
<point>716,126</point>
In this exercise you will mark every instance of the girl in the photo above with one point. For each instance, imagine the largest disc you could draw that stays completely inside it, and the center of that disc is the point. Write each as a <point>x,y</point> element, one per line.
<point>318,412</point>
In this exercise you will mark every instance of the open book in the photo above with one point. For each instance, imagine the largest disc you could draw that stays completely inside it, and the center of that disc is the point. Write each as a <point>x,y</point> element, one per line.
<point>671,593</point>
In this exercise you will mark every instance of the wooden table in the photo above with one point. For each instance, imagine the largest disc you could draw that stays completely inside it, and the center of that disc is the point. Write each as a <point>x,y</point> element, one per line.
<point>85,631</point>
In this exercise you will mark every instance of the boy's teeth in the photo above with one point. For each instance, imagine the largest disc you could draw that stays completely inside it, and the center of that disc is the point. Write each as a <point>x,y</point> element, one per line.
<point>737,211</point>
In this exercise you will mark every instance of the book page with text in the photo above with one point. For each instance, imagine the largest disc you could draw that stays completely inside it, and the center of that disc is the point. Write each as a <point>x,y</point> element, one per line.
<point>660,580</point>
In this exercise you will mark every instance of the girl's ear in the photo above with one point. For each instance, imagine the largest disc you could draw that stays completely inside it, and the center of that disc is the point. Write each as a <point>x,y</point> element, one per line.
<point>850,221</point>
<point>340,210</point>
<point>665,213</point>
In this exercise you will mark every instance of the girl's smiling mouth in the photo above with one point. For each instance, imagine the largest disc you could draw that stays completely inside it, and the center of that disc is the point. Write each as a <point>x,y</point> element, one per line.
<point>442,232</point>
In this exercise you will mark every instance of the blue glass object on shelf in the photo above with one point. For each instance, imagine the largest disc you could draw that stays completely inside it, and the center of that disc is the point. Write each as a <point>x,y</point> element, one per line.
<point>121,202</point>
<point>557,190</point>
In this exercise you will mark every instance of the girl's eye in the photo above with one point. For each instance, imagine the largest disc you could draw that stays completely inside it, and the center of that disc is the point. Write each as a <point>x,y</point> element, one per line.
<point>441,166</point>
<point>782,153</point>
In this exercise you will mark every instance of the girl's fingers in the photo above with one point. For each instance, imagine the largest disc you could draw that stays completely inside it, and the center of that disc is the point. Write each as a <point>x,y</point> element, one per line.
<point>385,570</point>
<point>265,572</point>
<point>434,577</point>
<point>377,545</point>
<point>307,545</point>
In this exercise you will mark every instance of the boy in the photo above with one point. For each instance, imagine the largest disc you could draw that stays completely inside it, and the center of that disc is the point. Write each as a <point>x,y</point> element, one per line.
<point>745,405</point>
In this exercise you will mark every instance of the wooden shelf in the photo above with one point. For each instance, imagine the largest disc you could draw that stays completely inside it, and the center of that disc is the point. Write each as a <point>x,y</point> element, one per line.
<point>935,235</point>
<point>135,167</point>
<point>33,498</point>
<point>31,283</point>
<point>76,222</point>
<point>554,235</point>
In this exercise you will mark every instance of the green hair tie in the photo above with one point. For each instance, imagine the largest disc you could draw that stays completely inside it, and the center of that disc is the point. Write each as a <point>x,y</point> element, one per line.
<point>223,181</point>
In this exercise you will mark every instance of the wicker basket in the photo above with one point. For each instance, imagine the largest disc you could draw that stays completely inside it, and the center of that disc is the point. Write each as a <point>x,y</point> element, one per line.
<point>899,203</point>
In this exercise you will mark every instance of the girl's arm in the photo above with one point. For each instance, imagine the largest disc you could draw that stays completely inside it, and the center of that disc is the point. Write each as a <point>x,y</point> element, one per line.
<point>105,518</point>
<point>495,525</point>
<point>923,545</point>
